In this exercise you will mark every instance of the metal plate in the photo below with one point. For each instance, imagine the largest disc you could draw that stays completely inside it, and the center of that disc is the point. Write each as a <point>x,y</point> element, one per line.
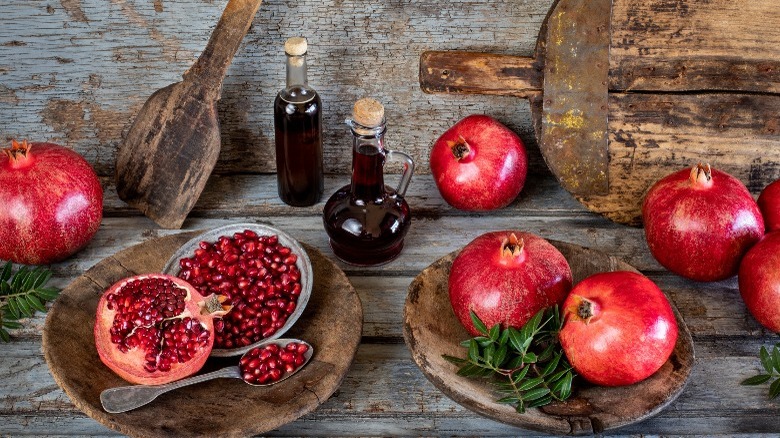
<point>574,134</point>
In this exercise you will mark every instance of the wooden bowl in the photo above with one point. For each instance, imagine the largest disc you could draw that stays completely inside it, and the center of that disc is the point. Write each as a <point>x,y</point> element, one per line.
<point>431,330</point>
<point>332,324</point>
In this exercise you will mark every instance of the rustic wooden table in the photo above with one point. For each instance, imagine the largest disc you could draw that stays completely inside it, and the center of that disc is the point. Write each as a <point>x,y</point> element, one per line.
<point>76,71</point>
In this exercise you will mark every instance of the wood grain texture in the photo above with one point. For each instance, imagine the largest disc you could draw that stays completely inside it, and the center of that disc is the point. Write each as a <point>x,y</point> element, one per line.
<point>432,330</point>
<point>331,323</point>
<point>80,81</point>
<point>695,45</point>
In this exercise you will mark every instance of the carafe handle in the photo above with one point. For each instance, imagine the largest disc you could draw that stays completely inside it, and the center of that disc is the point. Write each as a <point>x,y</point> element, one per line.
<point>406,175</point>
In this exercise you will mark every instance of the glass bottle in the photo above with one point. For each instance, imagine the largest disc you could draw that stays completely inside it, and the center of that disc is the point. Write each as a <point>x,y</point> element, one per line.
<point>298,132</point>
<point>367,220</point>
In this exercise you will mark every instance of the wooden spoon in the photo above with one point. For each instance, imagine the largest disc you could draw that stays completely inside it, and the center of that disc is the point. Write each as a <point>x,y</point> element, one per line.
<point>173,144</point>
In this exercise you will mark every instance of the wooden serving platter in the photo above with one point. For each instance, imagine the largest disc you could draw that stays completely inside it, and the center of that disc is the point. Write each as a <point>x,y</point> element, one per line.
<point>332,323</point>
<point>625,92</point>
<point>431,330</point>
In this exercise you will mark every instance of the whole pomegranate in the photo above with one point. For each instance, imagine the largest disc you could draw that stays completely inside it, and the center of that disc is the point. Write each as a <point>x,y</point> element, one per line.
<point>479,164</point>
<point>505,277</point>
<point>769,203</point>
<point>759,281</point>
<point>618,328</point>
<point>700,222</point>
<point>154,328</point>
<point>51,203</point>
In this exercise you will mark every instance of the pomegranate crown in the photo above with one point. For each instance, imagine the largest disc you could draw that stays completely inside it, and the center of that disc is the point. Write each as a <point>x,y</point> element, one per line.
<point>701,174</point>
<point>512,246</point>
<point>460,148</point>
<point>17,149</point>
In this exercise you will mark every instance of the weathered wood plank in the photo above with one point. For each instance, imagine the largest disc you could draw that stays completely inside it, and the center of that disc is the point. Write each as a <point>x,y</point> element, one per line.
<point>256,195</point>
<point>77,72</point>
<point>695,45</point>
<point>653,135</point>
<point>385,394</point>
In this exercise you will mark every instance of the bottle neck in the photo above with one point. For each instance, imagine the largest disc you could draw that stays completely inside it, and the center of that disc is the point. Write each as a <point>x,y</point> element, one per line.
<point>296,71</point>
<point>368,160</point>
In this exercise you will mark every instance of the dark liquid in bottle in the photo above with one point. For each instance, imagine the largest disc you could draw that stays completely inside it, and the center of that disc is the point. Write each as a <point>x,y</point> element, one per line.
<point>366,221</point>
<point>299,151</point>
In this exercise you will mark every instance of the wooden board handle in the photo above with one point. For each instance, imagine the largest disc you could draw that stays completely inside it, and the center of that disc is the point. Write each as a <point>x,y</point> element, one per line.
<point>233,25</point>
<point>480,73</point>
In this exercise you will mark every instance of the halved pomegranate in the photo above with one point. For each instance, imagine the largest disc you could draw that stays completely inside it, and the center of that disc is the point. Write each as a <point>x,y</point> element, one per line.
<point>154,328</point>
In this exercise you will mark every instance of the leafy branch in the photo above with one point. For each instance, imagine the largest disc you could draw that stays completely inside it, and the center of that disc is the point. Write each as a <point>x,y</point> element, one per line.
<point>771,364</point>
<point>528,365</point>
<point>22,293</point>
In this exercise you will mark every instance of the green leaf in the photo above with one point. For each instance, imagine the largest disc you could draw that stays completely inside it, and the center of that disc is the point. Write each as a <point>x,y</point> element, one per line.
<point>776,358</point>
<point>529,358</point>
<point>757,380</point>
<point>547,354</point>
<point>453,359</point>
<point>530,384</point>
<point>515,339</point>
<point>499,356</point>
<point>35,303</point>
<point>24,307</point>
<point>535,394</point>
<point>478,324</point>
<point>6,272</point>
<point>535,321</point>
<point>508,400</point>
<point>766,359</point>
<point>550,367</point>
<point>488,353</point>
<point>564,389</point>
<point>494,332</point>
<point>774,389</point>
<point>527,343</point>
<point>558,375</point>
<point>520,375</point>
<point>520,408</point>
<point>47,293</point>
<point>4,335</point>
<point>504,337</point>
<point>515,362</point>
<point>13,310</point>
<point>5,288</point>
<point>11,324</point>
<point>19,278</point>
<point>42,279</point>
<point>30,280</point>
<point>540,402</point>
<point>473,351</point>
<point>469,370</point>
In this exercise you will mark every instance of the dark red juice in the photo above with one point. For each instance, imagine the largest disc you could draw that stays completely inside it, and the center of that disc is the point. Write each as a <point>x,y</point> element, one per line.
<point>299,151</point>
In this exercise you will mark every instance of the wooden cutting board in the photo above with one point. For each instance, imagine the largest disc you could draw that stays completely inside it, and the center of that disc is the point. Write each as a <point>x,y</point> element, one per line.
<point>624,92</point>
<point>332,323</point>
<point>431,329</point>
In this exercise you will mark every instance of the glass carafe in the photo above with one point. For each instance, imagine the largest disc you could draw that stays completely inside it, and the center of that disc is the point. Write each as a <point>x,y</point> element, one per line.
<point>367,220</point>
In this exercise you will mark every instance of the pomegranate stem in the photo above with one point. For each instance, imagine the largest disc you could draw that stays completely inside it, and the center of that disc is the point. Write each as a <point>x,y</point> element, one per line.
<point>512,246</point>
<point>701,175</point>
<point>460,148</point>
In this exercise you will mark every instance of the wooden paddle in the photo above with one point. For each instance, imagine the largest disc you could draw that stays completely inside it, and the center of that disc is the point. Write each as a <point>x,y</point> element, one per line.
<point>173,144</point>
<point>624,92</point>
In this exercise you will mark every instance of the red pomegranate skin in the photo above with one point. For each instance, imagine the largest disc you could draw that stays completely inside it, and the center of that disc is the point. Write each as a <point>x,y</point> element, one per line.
<point>51,204</point>
<point>759,281</point>
<point>699,227</point>
<point>479,164</point>
<point>630,334</point>
<point>504,282</point>
<point>131,365</point>
<point>769,204</point>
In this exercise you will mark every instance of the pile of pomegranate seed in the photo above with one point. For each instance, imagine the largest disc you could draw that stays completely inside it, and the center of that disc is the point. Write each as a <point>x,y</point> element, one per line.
<point>256,274</point>
<point>147,317</point>
<point>263,365</point>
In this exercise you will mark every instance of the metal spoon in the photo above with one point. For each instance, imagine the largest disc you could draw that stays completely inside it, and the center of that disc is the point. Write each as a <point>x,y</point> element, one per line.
<point>126,398</point>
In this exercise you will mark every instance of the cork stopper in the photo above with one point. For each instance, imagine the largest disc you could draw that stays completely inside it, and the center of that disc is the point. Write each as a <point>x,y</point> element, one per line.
<point>296,46</point>
<point>368,112</point>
